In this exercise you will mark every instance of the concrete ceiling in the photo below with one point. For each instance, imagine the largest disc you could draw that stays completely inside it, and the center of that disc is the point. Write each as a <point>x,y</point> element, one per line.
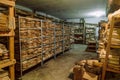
<point>65,8</point>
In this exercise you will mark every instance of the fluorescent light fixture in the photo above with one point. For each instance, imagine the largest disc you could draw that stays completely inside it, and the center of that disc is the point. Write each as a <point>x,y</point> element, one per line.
<point>97,13</point>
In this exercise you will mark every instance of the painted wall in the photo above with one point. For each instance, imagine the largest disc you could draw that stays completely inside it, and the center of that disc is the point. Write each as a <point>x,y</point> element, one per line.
<point>93,20</point>
<point>37,12</point>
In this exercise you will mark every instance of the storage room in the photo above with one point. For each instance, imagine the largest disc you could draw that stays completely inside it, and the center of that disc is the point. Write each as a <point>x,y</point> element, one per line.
<point>59,39</point>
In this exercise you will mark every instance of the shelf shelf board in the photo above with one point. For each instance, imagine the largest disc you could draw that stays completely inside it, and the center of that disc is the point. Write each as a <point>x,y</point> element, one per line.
<point>58,29</point>
<point>48,44</point>
<point>48,57</point>
<point>78,39</point>
<point>31,66</point>
<point>113,70</point>
<point>59,41</point>
<point>32,57</point>
<point>92,42</point>
<point>51,29</point>
<point>78,33</point>
<point>6,63</point>
<point>66,34</point>
<point>90,33</point>
<point>117,17</point>
<point>114,46</point>
<point>117,26</point>
<point>31,47</point>
<point>7,2</point>
<point>30,28</point>
<point>90,28</point>
<point>58,52</point>
<point>58,35</point>
<point>46,51</point>
<point>57,47</point>
<point>7,34</point>
<point>67,29</point>
<point>30,38</point>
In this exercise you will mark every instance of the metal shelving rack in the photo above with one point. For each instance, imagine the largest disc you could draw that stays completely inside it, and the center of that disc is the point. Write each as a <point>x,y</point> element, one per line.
<point>11,62</point>
<point>63,37</point>
<point>54,41</point>
<point>48,27</point>
<point>70,44</point>
<point>79,36</point>
<point>90,37</point>
<point>66,36</point>
<point>71,36</point>
<point>42,40</point>
<point>50,43</point>
<point>58,29</point>
<point>91,33</point>
<point>29,51</point>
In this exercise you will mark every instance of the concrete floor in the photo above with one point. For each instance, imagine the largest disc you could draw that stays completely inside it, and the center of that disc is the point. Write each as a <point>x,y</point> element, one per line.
<point>59,68</point>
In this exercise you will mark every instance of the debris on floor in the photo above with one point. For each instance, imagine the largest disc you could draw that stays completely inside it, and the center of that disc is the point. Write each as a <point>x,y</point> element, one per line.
<point>87,70</point>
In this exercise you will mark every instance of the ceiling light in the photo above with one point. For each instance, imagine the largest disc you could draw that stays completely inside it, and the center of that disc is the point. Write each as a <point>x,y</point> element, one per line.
<point>97,13</point>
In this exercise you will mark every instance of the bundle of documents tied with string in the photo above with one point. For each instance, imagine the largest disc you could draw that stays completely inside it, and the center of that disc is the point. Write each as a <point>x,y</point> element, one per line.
<point>3,23</point>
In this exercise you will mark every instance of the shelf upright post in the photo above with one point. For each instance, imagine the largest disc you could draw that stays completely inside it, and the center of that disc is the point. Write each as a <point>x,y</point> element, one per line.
<point>69,36</point>
<point>54,41</point>
<point>95,38</point>
<point>108,49</point>
<point>73,35</point>
<point>63,37</point>
<point>20,50</point>
<point>11,41</point>
<point>68,30</point>
<point>42,41</point>
<point>84,33</point>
